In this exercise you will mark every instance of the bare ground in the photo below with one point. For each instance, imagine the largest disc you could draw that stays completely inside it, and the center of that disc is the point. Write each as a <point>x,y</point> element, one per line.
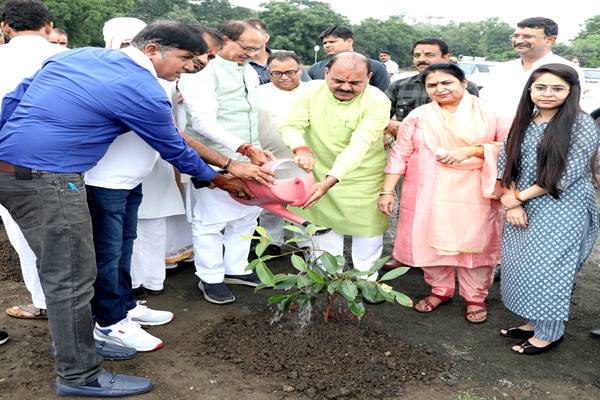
<point>479,361</point>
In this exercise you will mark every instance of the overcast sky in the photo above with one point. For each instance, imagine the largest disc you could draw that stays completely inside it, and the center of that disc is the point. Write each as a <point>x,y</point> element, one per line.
<point>569,14</point>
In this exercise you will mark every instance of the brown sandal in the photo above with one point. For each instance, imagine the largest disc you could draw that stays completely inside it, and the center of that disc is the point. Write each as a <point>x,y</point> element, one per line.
<point>473,314</point>
<point>428,303</point>
<point>27,312</point>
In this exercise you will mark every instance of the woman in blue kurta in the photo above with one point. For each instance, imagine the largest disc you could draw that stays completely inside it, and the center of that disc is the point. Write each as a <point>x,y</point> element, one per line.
<point>551,218</point>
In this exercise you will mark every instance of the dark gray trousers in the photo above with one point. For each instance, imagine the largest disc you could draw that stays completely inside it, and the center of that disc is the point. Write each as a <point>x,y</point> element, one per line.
<point>52,212</point>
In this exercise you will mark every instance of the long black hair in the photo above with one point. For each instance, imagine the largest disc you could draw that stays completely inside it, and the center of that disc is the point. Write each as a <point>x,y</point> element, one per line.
<point>553,148</point>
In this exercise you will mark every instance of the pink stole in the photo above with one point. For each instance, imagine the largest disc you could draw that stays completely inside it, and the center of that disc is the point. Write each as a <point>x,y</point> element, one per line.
<point>461,219</point>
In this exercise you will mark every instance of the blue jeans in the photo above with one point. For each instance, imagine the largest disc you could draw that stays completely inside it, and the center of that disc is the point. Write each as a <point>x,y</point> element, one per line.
<point>114,219</point>
<point>52,213</point>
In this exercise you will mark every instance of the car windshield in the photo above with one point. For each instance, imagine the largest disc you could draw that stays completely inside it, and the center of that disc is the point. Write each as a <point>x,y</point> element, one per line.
<point>592,73</point>
<point>468,68</point>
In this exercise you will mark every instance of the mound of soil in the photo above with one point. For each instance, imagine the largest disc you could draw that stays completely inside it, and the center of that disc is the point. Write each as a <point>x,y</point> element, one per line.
<point>333,360</point>
<point>9,261</point>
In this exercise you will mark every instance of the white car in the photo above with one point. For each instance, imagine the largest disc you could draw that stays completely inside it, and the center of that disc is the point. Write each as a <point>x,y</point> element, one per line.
<point>477,71</point>
<point>590,100</point>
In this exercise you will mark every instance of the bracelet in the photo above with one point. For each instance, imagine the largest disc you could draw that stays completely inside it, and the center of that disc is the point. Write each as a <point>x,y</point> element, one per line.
<point>243,149</point>
<point>302,148</point>
<point>479,151</point>
<point>390,192</point>
<point>227,164</point>
<point>518,197</point>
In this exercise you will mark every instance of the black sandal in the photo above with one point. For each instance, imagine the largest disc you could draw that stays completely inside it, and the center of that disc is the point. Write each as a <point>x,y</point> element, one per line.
<point>530,350</point>
<point>516,333</point>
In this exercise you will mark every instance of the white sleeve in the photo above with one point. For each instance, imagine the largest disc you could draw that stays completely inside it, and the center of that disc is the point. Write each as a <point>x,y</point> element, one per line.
<point>199,97</point>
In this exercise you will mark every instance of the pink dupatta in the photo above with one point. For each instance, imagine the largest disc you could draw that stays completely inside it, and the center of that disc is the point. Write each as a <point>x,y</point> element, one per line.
<point>460,219</point>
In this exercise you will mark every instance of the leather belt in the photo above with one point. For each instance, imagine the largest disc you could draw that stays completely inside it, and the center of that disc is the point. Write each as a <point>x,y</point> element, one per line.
<point>8,167</point>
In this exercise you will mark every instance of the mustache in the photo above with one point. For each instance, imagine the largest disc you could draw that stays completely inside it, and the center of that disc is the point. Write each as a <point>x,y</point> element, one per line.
<point>422,63</point>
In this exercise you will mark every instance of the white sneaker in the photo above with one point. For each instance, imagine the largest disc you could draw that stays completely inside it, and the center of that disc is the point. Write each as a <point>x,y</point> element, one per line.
<point>129,334</point>
<point>147,316</point>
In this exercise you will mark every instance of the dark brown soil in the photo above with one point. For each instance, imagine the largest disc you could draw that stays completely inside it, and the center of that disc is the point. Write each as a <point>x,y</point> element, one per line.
<point>9,267</point>
<point>333,360</point>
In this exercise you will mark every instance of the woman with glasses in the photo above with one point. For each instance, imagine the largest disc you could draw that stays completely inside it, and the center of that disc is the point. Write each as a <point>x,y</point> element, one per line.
<point>447,152</point>
<point>551,216</point>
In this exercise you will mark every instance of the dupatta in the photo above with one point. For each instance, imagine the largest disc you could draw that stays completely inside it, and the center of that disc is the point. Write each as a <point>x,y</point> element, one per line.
<point>462,212</point>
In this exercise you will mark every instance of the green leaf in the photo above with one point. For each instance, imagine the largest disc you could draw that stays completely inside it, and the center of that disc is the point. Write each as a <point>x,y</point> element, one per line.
<point>295,239</point>
<point>349,290</point>
<point>329,263</point>
<point>285,305</point>
<point>299,263</point>
<point>260,286</point>
<point>357,308</point>
<point>315,277</point>
<point>387,296</point>
<point>279,277</point>
<point>378,264</point>
<point>403,299</point>
<point>288,283</point>
<point>304,281</point>
<point>260,248</point>
<point>368,289</point>
<point>311,229</point>
<point>356,273</point>
<point>264,274</point>
<point>333,286</point>
<point>294,228</point>
<point>277,298</point>
<point>248,237</point>
<point>340,260</point>
<point>396,272</point>
<point>252,265</point>
<point>261,231</point>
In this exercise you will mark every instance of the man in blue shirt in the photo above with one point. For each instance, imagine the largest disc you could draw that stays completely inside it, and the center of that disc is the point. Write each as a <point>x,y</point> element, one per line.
<point>58,124</point>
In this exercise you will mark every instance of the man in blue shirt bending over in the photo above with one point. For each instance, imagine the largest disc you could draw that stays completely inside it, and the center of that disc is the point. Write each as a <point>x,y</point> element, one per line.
<point>58,124</point>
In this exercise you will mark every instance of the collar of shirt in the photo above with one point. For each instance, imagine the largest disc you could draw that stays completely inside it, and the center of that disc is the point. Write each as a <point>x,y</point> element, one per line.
<point>228,63</point>
<point>25,40</point>
<point>140,58</point>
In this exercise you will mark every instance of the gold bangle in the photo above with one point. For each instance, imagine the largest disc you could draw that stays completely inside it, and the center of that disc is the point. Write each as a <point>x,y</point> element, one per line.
<point>518,197</point>
<point>387,192</point>
<point>479,153</point>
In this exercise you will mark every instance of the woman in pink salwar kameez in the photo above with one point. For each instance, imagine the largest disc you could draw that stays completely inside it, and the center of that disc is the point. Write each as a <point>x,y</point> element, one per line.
<point>449,214</point>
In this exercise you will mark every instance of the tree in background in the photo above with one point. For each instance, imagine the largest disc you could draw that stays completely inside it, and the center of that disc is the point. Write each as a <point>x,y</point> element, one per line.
<point>372,35</point>
<point>296,24</point>
<point>586,45</point>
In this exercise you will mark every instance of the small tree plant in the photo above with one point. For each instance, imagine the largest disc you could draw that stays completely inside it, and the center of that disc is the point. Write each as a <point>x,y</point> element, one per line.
<point>319,272</point>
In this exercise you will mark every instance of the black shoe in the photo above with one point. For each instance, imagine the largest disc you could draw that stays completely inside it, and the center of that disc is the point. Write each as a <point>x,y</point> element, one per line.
<point>246,280</point>
<point>139,292</point>
<point>516,333</point>
<point>3,337</point>
<point>597,382</point>
<point>595,333</point>
<point>216,293</point>
<point>530,350</point>
<point>154,292</point>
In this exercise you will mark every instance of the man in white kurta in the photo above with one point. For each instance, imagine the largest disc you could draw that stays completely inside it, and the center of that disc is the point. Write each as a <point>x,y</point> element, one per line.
<point>222,103</point>
<point>533,40</point>
<point>275,101</point>
<point>21,58</point>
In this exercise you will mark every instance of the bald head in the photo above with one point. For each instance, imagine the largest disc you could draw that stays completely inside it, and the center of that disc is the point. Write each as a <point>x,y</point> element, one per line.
<point>347,75</point>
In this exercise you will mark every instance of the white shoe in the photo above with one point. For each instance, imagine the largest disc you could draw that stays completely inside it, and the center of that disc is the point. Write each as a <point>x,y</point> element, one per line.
<point>129,334</point>
<point>147,316</point>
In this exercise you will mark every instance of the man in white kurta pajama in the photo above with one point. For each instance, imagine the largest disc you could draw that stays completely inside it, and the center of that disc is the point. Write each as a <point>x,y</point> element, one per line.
<point>222,102</point>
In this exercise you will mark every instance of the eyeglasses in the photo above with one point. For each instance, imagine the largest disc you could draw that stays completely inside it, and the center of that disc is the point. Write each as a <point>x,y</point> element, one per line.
<point>554,89</point>
<point>278,74</point>
<point>249,50</point>
<point>516,36</point>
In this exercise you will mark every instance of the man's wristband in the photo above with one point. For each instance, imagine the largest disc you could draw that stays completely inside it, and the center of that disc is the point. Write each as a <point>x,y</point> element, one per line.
<point>302,149</point>
<point>227,164</point>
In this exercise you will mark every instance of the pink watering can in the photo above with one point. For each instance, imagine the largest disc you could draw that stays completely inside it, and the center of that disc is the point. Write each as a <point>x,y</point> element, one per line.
<point>292,186</point>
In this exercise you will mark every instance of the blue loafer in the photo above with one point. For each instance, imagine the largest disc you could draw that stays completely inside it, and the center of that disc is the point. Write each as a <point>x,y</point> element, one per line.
<point>109,385</point>
<point>110,351</point>
<point>113,352</point>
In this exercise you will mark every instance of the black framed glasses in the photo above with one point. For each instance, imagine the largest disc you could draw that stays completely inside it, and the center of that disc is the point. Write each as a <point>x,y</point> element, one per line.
<point>279,74</point>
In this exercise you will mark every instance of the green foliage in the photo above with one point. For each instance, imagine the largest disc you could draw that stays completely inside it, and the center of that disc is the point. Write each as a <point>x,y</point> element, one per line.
<point>372,35</point>
<point>322,274</point>
<point>296,24</point>
<point>83,19</point>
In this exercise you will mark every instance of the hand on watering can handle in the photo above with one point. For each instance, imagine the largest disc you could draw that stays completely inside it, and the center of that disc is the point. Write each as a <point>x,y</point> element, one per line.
<point>251,172</point>
<point>234,185</point>
<point>305,160</point>
<point>256,155</point>
<point>319,189</point>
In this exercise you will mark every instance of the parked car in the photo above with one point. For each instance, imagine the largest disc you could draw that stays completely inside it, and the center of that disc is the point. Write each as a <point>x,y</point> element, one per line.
<point>477,71</point>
